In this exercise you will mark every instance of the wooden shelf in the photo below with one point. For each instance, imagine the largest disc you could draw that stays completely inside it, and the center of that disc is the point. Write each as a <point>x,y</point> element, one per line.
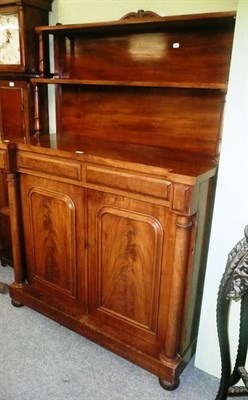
<point>186,85</point>
<point>138,24</point>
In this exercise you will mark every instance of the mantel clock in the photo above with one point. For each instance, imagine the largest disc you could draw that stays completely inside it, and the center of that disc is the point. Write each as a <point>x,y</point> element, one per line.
<point>10,39</point>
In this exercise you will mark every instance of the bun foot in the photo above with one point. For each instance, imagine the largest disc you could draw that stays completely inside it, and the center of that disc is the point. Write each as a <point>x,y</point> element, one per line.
<point>16,303</point>
<point>3,288</point>
<point>167,385</point>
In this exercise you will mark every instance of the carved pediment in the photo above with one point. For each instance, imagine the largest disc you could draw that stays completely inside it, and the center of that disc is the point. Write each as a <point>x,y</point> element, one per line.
<point>141,14</point>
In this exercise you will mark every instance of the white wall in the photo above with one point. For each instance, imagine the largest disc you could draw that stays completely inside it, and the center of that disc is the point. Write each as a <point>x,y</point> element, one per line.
<point>78,11</point>
<point>230,214</point>
<point>231,204</point>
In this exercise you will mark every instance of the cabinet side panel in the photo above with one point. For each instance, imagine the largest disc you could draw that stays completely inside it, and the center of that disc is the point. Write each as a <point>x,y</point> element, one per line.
<point>197,266</point>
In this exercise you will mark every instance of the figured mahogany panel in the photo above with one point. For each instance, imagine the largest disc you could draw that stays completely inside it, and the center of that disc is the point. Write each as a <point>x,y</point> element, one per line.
<point>173,118</point>
<point>53,242</point>
<point>127,276</point>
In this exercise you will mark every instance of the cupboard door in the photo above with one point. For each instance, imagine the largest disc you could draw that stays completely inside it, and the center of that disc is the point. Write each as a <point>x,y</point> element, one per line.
<point>53,218</point>
<point>12,121</point>
<point>126,259</point>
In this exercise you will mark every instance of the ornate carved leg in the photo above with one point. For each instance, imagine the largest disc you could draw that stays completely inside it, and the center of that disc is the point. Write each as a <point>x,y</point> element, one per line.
<point>222,328</point>
<point>243,342</point>
<point>234,285</point>
<point>239,370</point>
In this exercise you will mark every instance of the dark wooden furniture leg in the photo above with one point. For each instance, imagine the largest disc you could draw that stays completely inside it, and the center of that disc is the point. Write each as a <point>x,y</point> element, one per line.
<point>3,288</point>
<point>234,286</point>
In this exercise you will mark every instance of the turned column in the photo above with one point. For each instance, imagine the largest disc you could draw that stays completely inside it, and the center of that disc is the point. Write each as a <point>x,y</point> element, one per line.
<point>37,125</point>
<point>182,239</point>
<point>15,224</point>
<point>41,56</point>
<point>169,354</point>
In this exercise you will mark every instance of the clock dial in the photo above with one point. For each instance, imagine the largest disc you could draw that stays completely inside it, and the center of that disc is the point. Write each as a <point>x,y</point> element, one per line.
<point>9,39</point>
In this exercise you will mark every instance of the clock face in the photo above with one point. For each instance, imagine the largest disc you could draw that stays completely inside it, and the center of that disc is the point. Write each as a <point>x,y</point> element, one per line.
<point>9,39</point>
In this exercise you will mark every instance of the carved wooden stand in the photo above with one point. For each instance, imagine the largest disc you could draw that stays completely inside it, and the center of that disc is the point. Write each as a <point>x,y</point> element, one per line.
<point>234,285</point>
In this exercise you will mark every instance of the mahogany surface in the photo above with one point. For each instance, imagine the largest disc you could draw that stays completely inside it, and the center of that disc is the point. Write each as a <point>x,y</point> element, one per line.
<point>149,51</point>
<point>162,117</point>
<point>163,161</point>
<point>111,215</point>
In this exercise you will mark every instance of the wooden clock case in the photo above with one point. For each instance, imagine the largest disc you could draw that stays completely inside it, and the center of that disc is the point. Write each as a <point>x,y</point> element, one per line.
<point>30,14</point>
<point>17,96</point>
<point>111,216</point>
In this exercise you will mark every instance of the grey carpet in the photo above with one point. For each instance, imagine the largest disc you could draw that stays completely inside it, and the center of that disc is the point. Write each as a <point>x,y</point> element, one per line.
<point>42,360</point>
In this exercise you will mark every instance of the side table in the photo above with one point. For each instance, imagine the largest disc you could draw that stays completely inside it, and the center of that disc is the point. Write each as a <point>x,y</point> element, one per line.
<point>234,286</point>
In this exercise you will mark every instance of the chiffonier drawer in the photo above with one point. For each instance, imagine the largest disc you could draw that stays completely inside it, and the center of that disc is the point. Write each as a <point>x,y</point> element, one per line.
<point>128,182</point>
<point>3,159</point>
<point>59,167</point>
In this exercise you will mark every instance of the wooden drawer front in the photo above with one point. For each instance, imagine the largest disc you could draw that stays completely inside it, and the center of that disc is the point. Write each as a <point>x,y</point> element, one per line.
<point>3,159</point>
<point>52,166</point>
<point>131,183</point>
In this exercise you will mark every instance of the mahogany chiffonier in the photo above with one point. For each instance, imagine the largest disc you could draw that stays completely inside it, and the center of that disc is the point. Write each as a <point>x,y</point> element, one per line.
<point>19,62</point>
<point>115,209</point>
